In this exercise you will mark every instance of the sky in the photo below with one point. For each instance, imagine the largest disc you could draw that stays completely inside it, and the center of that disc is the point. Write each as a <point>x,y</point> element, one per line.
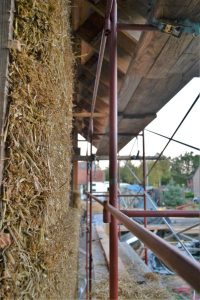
<point>168,118</point>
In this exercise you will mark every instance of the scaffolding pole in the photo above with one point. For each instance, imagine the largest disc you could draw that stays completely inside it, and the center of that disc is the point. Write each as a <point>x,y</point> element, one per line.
<point>144,186</point>
<point>111,210</point>
<point>90,228</point>
<point>87,233</point>
<point>113,191</point>
<point>185,266</point>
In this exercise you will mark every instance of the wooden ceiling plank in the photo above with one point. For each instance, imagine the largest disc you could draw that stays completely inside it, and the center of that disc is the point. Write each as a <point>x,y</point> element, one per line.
<point>139,94</point>
<point>190,56</point>
<point>170,9</point>
<point>126,44</point>
<point>184,63</point>
<point>141,6</point>
<point>148,49</point>
<point>128,12</point>
<point>194,46</point>
<point>168,56</point>
<point>174,47</point>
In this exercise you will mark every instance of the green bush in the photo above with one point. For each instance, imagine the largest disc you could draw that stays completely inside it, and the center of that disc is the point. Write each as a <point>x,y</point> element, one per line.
<point>189,195</point>
<point>173,196</point>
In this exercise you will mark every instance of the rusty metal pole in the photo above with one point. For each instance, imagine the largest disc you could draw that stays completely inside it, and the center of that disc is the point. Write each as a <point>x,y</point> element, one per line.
<point>87,233</point>
<point>144,186</point>
<point>75,164</point>
<point>136,27</point>
<point>162,213</point>
<point>90,227</point>
<point>186,267</point>
<point>113,241</point>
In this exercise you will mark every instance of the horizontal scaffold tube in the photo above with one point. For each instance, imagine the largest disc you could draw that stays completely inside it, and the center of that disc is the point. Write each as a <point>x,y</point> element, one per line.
<point>136,27</point>
<point>105,157</point>
<point>187,268</point>
<point>119,196</point>
<point>96,199</point>
<point>162,213</point>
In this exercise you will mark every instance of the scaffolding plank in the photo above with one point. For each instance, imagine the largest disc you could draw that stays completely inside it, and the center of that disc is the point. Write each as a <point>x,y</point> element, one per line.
<point>104,240</point>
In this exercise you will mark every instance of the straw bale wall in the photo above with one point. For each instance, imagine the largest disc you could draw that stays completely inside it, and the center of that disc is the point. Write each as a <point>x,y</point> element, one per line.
<point>39,230</point>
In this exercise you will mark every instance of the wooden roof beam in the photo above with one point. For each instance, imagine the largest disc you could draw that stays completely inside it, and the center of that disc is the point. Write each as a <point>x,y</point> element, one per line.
<point>80,12</point>
<point>101,96</point>
<point>86,104</point>
<point>127,12</point>
<point>123,60</point>
<point>141,6</point>
<point>89,70</point>
<point>87,93</point>
<point>98,122</point>
<point>88,78</point>
<point>91,28</point>
<point>90,34</point>
<point>91,66</point>
<point>96,127</point>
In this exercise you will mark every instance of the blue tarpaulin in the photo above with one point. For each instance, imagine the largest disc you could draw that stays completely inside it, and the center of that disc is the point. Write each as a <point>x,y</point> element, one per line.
<point>138,188</point>
<point>135,188</point>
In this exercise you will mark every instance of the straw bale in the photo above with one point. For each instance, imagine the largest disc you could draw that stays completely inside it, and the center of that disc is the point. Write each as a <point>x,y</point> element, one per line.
<point>36,182</point>
<point>129,289</point>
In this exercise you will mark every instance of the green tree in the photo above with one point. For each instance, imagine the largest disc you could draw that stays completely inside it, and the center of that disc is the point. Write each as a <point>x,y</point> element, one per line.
<point>161,173</point>
<point>183,166</point>
<point>173,195</point>
<point>125,174</point>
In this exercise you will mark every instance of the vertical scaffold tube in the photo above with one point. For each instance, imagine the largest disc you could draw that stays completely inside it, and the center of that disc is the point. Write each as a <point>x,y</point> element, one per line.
<point>90,228</point>
<point>144,186</point>
<point>113,245</point>
<point>87,234</point>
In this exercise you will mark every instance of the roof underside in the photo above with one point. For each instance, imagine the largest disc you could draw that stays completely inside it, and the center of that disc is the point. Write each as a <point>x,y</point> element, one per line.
<point>152,66</point>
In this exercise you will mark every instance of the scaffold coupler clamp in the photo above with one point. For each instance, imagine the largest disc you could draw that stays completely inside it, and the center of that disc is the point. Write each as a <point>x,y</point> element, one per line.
<point>107,27</point>
<point>106,214</point>
<point>93,157</point>
<point>176,27</point>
